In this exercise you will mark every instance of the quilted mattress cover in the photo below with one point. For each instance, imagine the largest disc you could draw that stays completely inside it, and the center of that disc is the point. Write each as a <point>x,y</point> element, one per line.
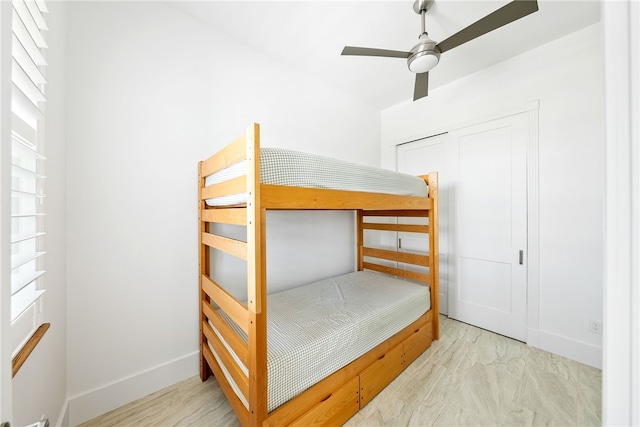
<point>316,329</point>
<point>293,168</point>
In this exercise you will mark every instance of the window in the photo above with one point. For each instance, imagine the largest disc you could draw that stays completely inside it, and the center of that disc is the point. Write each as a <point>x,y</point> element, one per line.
<point>27,167</point>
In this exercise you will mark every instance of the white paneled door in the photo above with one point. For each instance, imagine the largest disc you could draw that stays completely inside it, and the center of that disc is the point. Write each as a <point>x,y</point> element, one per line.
<point>484,167</point>
<point>491,233</point>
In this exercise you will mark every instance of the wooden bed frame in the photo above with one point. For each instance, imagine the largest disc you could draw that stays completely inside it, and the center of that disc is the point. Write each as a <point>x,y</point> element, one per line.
<point>335,399</point>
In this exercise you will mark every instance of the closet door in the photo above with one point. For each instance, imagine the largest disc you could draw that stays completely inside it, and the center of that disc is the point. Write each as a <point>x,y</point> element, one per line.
<point>490,215</point>
<point>482,173</point>
<point>419,158</point>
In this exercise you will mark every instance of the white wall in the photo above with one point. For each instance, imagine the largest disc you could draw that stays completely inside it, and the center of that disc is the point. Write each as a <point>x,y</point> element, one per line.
<point>566,77</point>
<point>150,92</point>
<point>39,388</point>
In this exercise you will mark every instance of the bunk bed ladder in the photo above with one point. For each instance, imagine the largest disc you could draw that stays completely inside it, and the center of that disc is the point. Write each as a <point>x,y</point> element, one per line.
<point>216,358</point>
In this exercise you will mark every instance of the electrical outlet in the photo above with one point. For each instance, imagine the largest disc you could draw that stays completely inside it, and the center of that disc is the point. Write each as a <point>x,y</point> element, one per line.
<point>595,326</point>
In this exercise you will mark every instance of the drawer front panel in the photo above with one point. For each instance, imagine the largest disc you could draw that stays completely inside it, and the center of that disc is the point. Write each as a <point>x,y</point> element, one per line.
<point>417,343</point>
<point>334,410</point>
<point>380,373</point>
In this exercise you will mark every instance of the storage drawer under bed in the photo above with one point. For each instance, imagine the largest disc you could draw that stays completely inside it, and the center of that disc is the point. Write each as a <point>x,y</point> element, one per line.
<point>380,373</point>
<point>335,409</point>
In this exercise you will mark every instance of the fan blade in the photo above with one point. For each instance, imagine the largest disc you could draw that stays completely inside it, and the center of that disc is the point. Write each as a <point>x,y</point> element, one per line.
<point>506,14</point>
<point>366,51</point>
<point>421,88</point>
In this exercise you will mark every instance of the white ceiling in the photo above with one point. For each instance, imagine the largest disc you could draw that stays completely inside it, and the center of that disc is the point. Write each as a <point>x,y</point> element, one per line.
<point>309,36</point>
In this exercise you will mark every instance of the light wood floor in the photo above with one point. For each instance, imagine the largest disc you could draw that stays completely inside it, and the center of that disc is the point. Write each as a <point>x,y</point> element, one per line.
<point>469,377</point>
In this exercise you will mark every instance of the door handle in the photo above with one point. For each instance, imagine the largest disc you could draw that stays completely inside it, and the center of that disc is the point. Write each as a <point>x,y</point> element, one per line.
<point>521,258</point>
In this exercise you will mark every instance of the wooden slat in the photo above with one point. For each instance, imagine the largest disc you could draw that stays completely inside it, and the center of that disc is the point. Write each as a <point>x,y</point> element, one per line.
<point>28,348</point>
<point>232,186</point>
<point>233,216</point>
<point>241,380</point>
<point>412,275</point>
<point>237,405</point>
<point>227,302</point>
<point>283,197</point>
<point>405,257</point>
<point>403,213</point>
<point>408,228</point>
<point>229,155</point>
<point>237,344</point>
<point>233,247</point>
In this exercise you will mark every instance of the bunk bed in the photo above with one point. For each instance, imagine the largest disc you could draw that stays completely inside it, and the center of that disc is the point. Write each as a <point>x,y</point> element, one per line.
<point>346,337</point>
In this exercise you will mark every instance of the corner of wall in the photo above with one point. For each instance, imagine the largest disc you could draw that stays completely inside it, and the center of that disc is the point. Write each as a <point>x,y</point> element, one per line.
<point>63,418</point>
<point>90,404</point>
<point>579,351</point>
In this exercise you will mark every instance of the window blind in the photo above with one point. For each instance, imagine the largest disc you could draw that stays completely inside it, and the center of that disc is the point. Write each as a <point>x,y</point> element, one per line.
<point>27,163</point>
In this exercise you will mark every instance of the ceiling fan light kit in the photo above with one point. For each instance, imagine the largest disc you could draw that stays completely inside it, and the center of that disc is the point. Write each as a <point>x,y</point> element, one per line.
<point>425,55</point>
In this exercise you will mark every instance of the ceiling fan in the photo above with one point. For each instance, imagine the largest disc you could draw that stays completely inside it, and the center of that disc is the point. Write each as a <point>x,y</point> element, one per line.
<point>425,55</point>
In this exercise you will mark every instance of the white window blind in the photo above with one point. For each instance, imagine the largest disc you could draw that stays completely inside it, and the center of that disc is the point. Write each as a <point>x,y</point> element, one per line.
<point>27,165</point>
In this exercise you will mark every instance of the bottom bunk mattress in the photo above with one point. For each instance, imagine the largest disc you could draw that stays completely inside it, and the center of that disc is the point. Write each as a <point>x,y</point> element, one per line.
<point>316,329</point>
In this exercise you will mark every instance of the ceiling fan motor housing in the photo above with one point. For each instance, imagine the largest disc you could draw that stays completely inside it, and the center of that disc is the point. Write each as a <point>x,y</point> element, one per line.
<point>424,56</point>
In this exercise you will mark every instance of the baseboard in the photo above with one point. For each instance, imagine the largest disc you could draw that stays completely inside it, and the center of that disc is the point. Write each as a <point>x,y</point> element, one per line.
<point>86,406</point>
<point>579,351</point>
<point>443,304</point>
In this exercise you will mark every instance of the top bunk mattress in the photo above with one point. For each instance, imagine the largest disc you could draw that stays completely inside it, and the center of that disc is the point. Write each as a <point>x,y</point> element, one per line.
<point>293,168</point>
<point>316,329</point>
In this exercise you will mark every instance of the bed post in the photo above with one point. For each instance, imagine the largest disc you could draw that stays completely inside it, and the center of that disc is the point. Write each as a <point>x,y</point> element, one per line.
<point>256,283</point>
<point>359,239</point>
<point>434,254</point>
<point>203,268</point>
